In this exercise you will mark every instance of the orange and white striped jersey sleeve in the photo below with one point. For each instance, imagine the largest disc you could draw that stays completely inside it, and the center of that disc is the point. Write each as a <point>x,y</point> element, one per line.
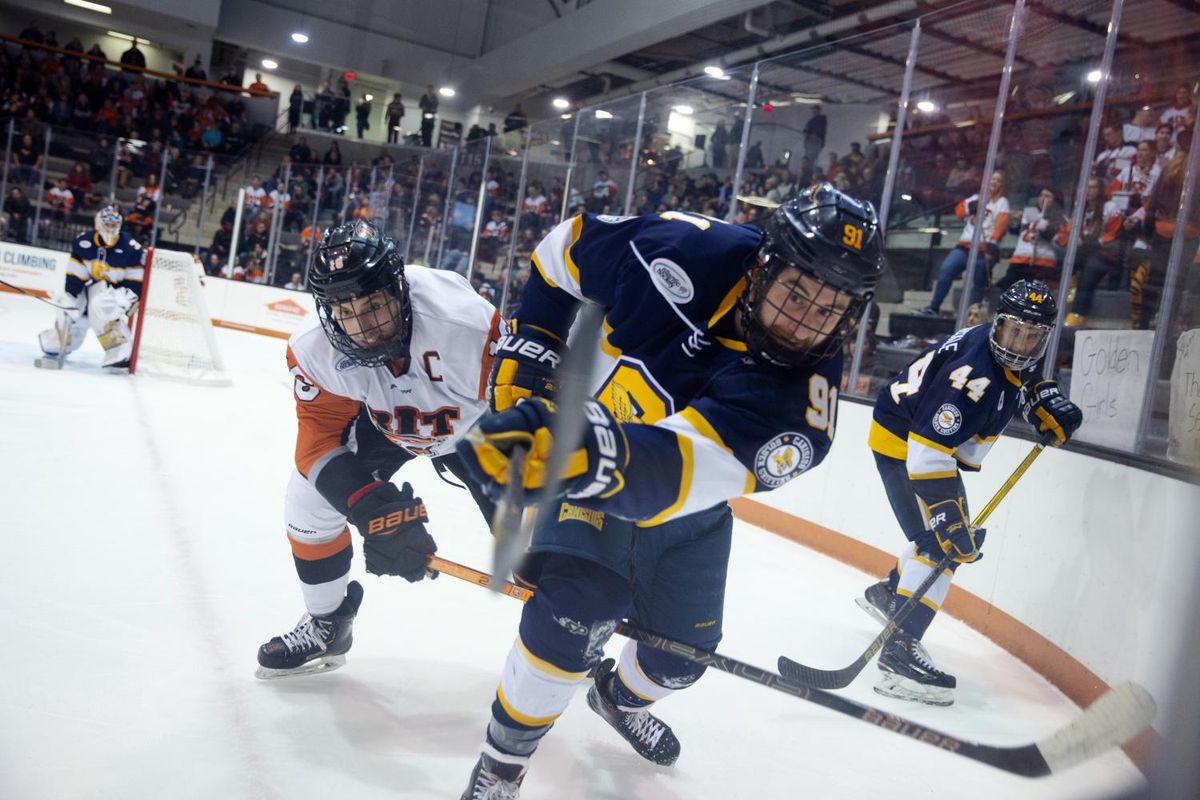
<point>322,416</point>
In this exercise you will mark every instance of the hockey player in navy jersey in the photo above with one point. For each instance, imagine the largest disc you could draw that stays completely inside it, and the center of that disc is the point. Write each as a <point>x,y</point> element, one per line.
<point>719,366</point>
<point>937,417</point>
<point>104,281</point>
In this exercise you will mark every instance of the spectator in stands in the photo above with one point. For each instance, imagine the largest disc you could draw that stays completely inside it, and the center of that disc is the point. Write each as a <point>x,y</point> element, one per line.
<point>395,113</point>
<point>754,156</point>
<point>212,137</point>
<point>333,156</point>
<point>133,57</point>
<point>258,85</point>
<point>362,115</point>
<point>301,153</point>
<point>335,188</point>
<point>962,178</point>
<point>20,214</point>
<point>1040,241</point>
<point>96,52</point>
<point>27,161</point>
<point>60,199</point>
<point>1096,258</point>
<point>604,193</point>
<point>253,198</point>
<point>257,238</point>
<point>80,183</point>
<point>1182,112</point>
<point>994,223</point>
<point>429,108</point>
<point>1164,145</point>
<point>196,70</point>
<point>101,160</point>
<point>82,117</point>
<point>720,141</point>
<point>296,283</point>
<point>516,119</point>
<point>1116,156</point>
<point>1162,218</point>
<point>814,134</point>
<point>32,33</point>
<point>295,107</point>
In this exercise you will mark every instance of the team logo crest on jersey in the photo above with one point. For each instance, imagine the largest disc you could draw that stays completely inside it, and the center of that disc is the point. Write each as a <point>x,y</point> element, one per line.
<point>782,458</point>
<point>947,420</point>
<point>611,219</point>
<point>671,280</point>
<point>345,364</point>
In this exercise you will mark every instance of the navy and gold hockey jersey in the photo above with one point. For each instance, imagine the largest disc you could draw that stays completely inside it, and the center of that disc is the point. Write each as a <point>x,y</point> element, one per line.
<point>945,410</point>
<point>714,424</point>
<point>123,264</point>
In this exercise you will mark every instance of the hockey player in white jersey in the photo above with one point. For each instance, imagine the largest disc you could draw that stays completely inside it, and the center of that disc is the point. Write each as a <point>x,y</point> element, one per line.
<point>396,367</point>
<point>103,284</point>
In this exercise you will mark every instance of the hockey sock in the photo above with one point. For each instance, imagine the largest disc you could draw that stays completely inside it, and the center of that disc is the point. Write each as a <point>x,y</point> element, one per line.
<point>323,569</point>
<point>637,684</point>
<point>532,694</point>
<point>913,572</point>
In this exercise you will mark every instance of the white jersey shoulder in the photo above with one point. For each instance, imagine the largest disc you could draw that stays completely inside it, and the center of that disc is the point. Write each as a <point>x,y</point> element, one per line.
<point>431,404</point>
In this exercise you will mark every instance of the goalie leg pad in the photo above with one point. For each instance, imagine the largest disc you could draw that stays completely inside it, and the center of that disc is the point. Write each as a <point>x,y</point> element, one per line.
<point>50,340</point>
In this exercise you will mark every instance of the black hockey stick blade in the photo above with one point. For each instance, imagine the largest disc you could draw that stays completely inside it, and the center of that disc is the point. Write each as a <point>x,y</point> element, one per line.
<point>1119,715</point>
<point>841,678</point>
<point>514,530</point>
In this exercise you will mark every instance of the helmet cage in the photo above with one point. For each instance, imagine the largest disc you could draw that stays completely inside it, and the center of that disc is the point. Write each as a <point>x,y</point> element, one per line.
<point>770,328</point>
<point>357,280</point>
<point>108,225</point>
<point>1015,359</point>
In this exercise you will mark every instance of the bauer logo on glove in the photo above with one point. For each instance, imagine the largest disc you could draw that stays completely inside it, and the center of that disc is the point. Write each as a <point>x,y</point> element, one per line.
<point>593,469</point>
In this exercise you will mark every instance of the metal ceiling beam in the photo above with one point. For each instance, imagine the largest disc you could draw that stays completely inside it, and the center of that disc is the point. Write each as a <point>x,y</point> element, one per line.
<point>970,44</point>
<point>1081,23</point>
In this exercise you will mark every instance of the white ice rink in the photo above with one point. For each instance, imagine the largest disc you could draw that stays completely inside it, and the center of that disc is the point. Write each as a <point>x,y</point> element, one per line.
<point>145,561</point>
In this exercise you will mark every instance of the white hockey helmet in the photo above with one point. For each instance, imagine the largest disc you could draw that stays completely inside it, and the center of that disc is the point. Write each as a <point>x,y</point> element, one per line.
<point>108,224</point>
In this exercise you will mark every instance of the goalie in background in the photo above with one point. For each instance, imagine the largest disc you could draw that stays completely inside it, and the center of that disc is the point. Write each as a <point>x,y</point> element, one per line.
<point>103,284</point>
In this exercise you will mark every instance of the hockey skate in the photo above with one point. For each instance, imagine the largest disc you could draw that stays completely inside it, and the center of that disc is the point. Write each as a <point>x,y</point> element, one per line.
<point>910,674</point>
<point>494,780</point>
<point>878,601</point>
<point>316,644</point>
<point>650,736</point>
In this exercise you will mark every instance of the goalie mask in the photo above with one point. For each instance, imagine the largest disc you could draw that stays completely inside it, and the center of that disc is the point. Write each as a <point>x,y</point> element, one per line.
<point>1021,330</point>
<point>108,225</point>
<point>817,268</point>
<point>357,279</point>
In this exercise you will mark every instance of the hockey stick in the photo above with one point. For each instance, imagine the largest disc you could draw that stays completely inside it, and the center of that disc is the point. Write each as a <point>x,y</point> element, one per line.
<point>841,678</point>
<point>513,530</point>
<point>1115,718</point>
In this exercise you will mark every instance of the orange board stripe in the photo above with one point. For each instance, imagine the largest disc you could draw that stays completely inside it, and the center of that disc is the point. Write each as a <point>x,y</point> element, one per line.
<point>1066,673</point>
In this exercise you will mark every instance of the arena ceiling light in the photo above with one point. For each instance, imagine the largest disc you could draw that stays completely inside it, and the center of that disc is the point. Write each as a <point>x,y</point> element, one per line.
<point>119,35</point>
<point>1094,76</point>
<point>561,103</point>
<point>713,71</point>
<point>683,109</point>
<point>927,106</point>
<point>89,6</point>
<point>269,63</point>
<point>300,38</point>
<point>602,114</point>
<point>447,91</point>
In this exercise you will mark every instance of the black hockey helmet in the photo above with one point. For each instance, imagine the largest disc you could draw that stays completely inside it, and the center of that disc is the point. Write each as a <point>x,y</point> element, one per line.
<point>357,279</point>
<point>1021,330</point>
<point>835,240</point>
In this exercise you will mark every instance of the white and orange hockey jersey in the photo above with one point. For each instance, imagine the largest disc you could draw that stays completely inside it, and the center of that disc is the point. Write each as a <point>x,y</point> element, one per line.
<point>1038,242</point>
<point>995,221</point>
<point>422,404</point>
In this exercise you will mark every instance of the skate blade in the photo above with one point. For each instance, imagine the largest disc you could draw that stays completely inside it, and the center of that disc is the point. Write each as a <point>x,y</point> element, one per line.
<point>47,362</point>
<point>316,666</point>
<point>900,688</point>
<point>872,610</point>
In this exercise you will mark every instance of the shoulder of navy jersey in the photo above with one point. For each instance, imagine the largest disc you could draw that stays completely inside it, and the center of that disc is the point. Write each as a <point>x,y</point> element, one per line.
<point>692,262</point>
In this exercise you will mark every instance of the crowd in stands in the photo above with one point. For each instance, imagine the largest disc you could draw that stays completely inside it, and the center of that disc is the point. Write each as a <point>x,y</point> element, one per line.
<point>117,125</point>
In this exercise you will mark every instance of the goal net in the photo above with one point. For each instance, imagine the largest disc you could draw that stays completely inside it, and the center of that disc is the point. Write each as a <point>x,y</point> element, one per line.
<point>174,336</point>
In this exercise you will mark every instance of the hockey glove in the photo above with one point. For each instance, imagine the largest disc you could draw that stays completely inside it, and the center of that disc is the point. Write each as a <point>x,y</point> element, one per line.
<point>525,362</point>
<point>392,523</point>
<point>953,531</point>
<point>593,470</point>
<point>1044,407</point>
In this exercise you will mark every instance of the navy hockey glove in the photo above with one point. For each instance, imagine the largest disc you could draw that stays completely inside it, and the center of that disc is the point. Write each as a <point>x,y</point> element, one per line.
<point>392,523</point>
<point>593,470</point>
<point>526,359</point>
<point>1044,407</point>
<point>953,531</point>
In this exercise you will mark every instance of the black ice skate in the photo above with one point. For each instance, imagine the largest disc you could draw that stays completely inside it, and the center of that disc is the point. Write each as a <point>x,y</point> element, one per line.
<point>494,780</point>
<point>650,736</point>
<point>878,601</point>
<point>316,644</point>
<point>909,673</point>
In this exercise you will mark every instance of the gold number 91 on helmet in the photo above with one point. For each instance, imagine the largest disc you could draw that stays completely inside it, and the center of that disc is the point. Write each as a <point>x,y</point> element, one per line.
<point>816,270</point>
